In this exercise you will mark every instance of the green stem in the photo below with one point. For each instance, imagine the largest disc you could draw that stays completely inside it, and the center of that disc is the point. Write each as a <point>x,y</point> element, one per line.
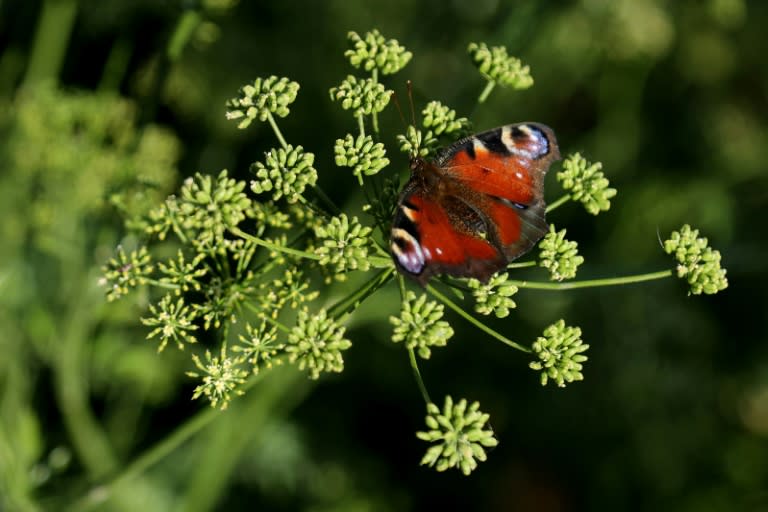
<point>89,440</point>
<point>277,131</point>
<point>611,281</point>
<point>417,375</point>
<point>185,29</point>
<point>116,66</point>
<point>269,245</point>
<point>557,203</point>
<point>375,115</point>
<point>486,92</point>
<point>54,28</point>
<point>521,264</point>
<point>474,321</point>
<point>361,124</point>
<point>320,193</point>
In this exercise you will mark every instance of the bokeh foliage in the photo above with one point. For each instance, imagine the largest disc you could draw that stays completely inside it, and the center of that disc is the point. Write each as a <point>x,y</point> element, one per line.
<point>99,98</point>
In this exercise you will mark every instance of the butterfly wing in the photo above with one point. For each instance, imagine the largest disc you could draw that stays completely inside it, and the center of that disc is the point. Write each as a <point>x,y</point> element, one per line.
<point>503,169</point>
<point>440,234</point>
<point>477,207</point>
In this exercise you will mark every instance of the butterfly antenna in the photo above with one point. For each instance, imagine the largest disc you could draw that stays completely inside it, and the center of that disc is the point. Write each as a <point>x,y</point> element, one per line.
<point>658,235</point>
<point>393,97</point>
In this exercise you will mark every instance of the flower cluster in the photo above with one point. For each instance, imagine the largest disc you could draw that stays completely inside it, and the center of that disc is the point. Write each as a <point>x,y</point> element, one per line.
<point>259,347</point>
<point>497,66</point>
<point>495,296</point>
<point>419,325</point>
<point>558,255</point>
<point>265,97</point>
<point>221,376</point>
<point>286,172</point>
<point>437,120</point>
<point>345,245</point>
<point>560,354</point>
<point>363,96</point>
<point>374,52</point>
<point>586,182</point>
<point>697,263</point>
<point>315,343</point>
<point>361,154</point>
<point>126,271</point>
<point>460,433</point>
<point>172,321</point>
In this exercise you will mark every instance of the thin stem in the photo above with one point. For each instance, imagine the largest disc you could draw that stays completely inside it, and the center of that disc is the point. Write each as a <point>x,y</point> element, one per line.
<point>277,131</point>
<point>486,92</point>
<point>557,203</point>
<point>269,245</point>
<point>474,321</point>
<point>521,264</point>
<point>417,375</point>
<point>611,281</point>
<point>361,124</point>
<point>375,115</point>
<point>185,29</point>
<point>327,200</point>
<point>54,28</point>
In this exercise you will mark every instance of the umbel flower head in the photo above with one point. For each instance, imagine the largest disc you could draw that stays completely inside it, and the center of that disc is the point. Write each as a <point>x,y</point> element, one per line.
<point>361,154</point>
<point>221,376</point>
<point>419,325</point>
<point>345,245</point>
<point>560,354</point>
<point>495,296</point>
<point>558,255</point>
<point>172,321</point>
<point>697,263</point>
<point>363,97</point>
<point>126,271</point>
<point>460,433</point>
<point>497,66</point>
<point>286,172</point>
<point>586,183</point>
<point>374,52</point>
<point>315,343</point>
<point>265,97</point>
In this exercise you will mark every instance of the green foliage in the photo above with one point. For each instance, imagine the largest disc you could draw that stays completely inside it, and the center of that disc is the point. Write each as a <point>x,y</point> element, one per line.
<point>460,433</point>
<point>586,183</point>
<point>265,97</point>
<point>495,296</point>
<point>698,263</point>
<point>558,255</point>
<point>420,326</point>
<point>497,66</point>
<point>560,354</point>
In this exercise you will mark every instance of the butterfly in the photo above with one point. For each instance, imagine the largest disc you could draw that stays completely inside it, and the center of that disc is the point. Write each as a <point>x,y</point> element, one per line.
<point>476,207</point>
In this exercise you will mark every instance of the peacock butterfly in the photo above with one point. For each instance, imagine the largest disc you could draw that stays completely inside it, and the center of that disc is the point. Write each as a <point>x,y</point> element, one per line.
<point>477,206</point>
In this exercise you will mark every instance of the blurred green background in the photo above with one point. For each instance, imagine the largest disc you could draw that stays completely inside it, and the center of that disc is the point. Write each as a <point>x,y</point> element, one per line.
<point>100,97</point>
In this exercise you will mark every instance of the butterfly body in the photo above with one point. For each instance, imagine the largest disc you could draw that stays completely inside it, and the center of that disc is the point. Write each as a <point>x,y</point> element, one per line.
<point>477,206</point>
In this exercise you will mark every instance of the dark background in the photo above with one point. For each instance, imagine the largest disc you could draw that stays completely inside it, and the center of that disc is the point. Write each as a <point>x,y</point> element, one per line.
<point>673,414</point>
